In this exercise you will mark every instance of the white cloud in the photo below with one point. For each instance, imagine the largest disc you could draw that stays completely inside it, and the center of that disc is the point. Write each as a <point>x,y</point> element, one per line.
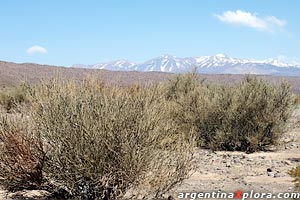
<point>276,21</point>
<point>36,49</point>
<point>252,20</point>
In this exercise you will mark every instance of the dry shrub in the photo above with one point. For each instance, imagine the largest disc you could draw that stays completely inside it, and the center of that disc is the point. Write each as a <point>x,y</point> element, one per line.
<point>295,173</point>
<point>257,115</point>
<point>107,140</point>
<point>247,117</point>
<point>295,100</point>
<point>12,97</point>
<point>21,156</point>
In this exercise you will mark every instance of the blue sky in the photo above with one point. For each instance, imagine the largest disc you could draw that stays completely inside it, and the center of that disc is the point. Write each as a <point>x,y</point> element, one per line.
<point>62,32</point>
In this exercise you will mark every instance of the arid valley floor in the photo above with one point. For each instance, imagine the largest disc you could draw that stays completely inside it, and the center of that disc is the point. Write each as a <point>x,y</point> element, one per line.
<point>233,171</point>
<point>213,171</point>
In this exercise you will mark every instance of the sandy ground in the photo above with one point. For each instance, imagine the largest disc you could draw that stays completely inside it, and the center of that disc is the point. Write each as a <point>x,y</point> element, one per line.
<point>231,172</point>
<point>236,171</point>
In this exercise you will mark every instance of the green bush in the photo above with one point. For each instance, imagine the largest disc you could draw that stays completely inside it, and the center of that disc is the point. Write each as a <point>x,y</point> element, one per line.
<point>247,117</point>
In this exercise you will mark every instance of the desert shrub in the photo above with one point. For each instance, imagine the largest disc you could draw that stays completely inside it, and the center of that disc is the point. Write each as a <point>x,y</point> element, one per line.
<point>295,100</point>
<point>295,173</point>
<point>105,141</point>
<point>257,115</point>
<point>89,141</point>
<point>21,156</point>
<point>12,97</point>
<point>247,117</point>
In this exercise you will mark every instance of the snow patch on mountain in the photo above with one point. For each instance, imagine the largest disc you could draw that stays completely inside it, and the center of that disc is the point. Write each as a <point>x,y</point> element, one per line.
<point>216,64</point>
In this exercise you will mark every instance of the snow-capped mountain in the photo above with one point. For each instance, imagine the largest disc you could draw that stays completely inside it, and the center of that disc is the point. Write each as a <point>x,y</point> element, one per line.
<point>167,63</point>
<point>118,65</point>
<point>216,64</point>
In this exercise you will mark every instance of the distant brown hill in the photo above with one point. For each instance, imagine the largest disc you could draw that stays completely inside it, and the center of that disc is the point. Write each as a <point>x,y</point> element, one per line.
<point>12,74</point>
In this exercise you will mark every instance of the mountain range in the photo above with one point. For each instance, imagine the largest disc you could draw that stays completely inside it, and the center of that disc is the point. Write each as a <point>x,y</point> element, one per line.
<point>216,64</point>
<point>14,74</point>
